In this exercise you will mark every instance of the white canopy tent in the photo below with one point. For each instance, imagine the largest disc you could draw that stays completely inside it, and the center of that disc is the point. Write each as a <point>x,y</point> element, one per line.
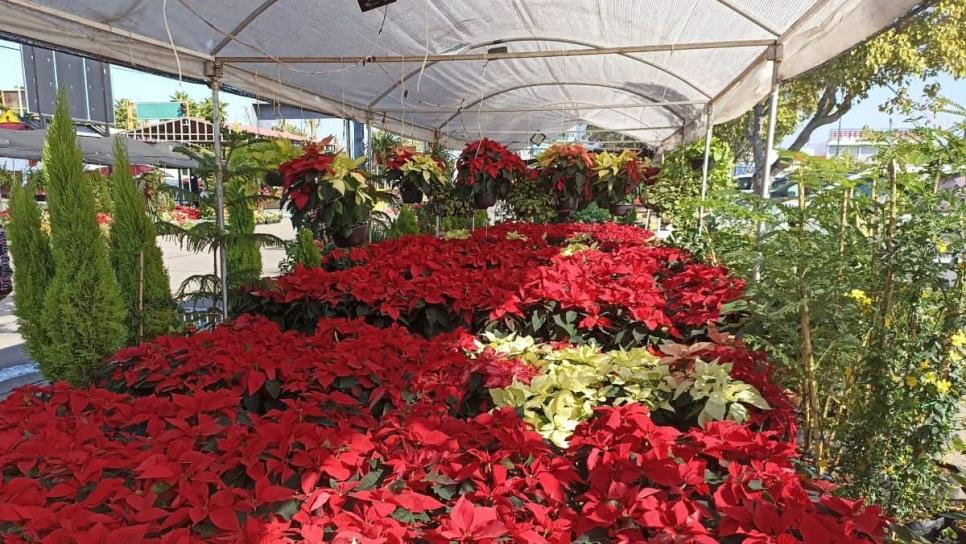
<point>422,68</point>
<point>657,70</point>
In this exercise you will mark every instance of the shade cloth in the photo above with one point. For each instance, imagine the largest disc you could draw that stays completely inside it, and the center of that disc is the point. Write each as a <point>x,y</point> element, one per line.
<point>704,51</point>
<point>29,144</point>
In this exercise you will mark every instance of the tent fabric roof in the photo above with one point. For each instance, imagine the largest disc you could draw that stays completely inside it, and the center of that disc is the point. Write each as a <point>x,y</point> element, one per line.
<point>684,52</point>
<point>29,144</point>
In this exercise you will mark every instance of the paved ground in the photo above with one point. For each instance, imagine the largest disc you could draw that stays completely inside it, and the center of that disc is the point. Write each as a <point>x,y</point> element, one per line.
<point>15,368</point>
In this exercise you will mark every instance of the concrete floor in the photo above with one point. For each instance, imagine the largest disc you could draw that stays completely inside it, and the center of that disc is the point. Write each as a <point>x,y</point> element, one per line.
<point>180,264</point>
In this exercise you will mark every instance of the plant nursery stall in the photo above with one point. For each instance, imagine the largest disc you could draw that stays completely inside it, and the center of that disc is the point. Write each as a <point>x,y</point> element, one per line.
<point>522,383</point>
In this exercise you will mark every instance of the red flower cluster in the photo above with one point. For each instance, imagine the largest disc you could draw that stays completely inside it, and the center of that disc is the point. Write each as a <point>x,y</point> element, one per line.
<point>508,273</point>
<point>398,157</point>
<point>487,160</point>
<point>359,434</point>
<point>314,160</point>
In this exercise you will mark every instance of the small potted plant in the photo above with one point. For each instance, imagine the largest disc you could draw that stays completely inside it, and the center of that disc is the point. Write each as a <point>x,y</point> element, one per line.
<point>414,174</point>
<point>618,177</point>
<point>328,192</point>
<point>486,169</point>
<point>566,170</point>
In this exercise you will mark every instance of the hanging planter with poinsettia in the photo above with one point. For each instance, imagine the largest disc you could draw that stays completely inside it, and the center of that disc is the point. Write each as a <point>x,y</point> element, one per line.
<point>414,174</point>
<point>486,169</point>
<point>328,193</point>
<point>567,171</point>
<point>618,177</point>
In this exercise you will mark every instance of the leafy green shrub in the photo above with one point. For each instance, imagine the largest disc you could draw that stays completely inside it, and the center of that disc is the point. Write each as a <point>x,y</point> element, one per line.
<point>862,298</point>
<point>678,185</point>
<point>83,315</point>
<point>146,291</point>
<point>592,214</point>
<point>529,202</point>
<point>33,265</point>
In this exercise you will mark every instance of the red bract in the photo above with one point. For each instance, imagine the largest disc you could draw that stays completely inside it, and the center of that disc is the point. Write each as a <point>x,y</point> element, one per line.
<point>485,162</point>
<point>515,276</point>
<point>355,433</point>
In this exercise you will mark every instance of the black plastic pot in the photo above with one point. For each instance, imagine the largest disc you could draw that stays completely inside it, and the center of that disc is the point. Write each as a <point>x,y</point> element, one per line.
<point>273,178</point>
<point>569,203</point>
<point>620,209</point>
<point>410,194</point>
<point>358,237</point>
<point>484,200</point>
<point>697,163</point>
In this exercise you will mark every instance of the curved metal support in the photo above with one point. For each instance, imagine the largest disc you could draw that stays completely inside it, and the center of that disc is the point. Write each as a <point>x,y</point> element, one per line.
<point>416,72</point>
<point>242,25</point>
<point>468,107</point>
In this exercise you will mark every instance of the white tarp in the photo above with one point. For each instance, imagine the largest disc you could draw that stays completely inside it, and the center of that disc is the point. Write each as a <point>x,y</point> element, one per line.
<point>457,101</point>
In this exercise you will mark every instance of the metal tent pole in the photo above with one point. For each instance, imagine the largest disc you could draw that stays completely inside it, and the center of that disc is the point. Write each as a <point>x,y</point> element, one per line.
<point>369,155</point>
<point>704,171</point>
<point>219,184</point>
<point>765,189</point>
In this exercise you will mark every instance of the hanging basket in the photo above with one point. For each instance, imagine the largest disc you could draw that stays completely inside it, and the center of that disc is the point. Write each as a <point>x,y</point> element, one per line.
<point>410,194</point>
<point>484,200</point>
<point>357,237</point>
<point>273,178</point>
<point>620,209</point>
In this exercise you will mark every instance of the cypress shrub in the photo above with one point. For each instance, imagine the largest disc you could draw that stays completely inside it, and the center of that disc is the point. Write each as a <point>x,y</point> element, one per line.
<point>244,258</point>
<point>306,253</point>
<point>406,223</point>
<point>133,232</point>
<point>33,265</point>
<point>83,315</point>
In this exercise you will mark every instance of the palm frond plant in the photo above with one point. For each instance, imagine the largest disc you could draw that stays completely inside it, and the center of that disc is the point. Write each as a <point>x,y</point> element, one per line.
<point>242,174</point>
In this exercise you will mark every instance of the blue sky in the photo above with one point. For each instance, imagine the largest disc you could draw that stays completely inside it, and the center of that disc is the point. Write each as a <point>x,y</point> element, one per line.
<point>142,87</point>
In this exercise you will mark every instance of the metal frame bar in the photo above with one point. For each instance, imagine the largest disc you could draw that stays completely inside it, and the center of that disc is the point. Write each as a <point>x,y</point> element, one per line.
<point>416,72</point>
<point>242,25</point>
<point>765,188</point>
<point>704,171</point>
<point>494,94</point>
<point>219,185</point>
<point>588,131</point>
<point>748,16</point>
<point>549,108</point>
<point>733,44</point>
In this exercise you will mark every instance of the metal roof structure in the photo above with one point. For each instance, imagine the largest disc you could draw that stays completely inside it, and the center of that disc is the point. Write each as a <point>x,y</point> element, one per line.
<point>451,71</point>
<point>29,144</point>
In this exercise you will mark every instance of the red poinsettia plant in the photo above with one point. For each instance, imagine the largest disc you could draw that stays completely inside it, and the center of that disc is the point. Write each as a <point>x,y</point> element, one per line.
<point>327,192</point>
<point>567,169</point>
<point>300,175</point>
<point>485,169</point>
<point>414,173</point>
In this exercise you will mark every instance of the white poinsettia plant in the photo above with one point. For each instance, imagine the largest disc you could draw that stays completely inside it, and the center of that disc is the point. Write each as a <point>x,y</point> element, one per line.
<point>570,382</point>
